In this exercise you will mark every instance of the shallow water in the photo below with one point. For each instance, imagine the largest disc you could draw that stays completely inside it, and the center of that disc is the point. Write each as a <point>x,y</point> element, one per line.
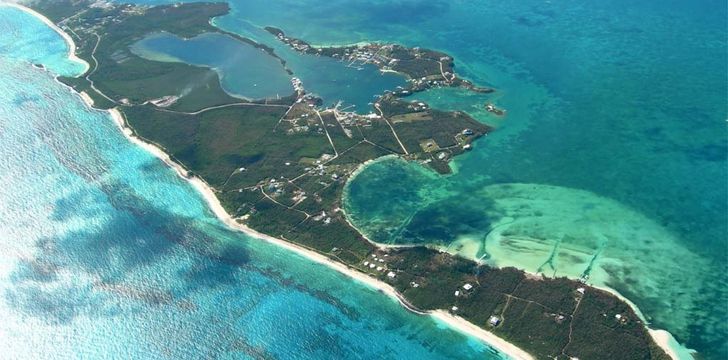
<point>251,73</point>
<point>614,107</point>
<point>611,161</point>
<point>244,70</point>
<point>106,253</point>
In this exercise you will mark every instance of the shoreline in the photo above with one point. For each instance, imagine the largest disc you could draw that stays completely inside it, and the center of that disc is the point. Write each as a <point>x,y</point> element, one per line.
<point>67,38</point>
<point>454,322</point>
<point>662,338</point>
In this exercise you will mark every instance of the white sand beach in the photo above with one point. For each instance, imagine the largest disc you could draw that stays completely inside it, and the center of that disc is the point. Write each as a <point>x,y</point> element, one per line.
<point>662,338</point>
<point>71,45</point>
<point>208,194</point>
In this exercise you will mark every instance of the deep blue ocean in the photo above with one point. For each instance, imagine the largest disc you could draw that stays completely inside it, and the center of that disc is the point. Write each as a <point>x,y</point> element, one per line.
<point>610,163</point>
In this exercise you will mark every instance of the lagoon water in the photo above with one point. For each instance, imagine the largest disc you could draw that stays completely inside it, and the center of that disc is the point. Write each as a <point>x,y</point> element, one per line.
<point>611,161</point>
<point>244,70</point>
<point>355,85</point>
<point>251,73</point>
<point>106,253</point>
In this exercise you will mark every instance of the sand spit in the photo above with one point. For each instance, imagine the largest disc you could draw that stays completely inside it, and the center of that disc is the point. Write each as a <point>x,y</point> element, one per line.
<point>661,337</point>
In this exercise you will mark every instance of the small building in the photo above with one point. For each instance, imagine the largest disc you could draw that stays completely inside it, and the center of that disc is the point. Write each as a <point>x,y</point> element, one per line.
<point>494,320</point>
<point>391,274</point>
<point>467,286</point>
<point>468,132</point>
<point>581,290</point>
<point>454,308</point>
<point>457,292</point>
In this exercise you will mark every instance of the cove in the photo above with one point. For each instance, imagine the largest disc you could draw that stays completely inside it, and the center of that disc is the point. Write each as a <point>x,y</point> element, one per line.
<point>244,70</point>
<point>108,253</point>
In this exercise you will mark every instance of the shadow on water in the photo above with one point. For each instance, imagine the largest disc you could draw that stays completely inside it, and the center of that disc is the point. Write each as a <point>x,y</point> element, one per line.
<point>86,272</point>
<point>57,282</point>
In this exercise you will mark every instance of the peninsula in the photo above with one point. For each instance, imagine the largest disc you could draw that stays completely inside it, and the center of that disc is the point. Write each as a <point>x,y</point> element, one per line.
<point>279,166</point>
<point>424,68</point>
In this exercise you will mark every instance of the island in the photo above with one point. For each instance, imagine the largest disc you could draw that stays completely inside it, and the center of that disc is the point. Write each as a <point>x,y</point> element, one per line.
<point>279,166</point>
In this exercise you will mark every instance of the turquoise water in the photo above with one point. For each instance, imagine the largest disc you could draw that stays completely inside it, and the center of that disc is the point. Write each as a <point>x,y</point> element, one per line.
<point>611,161</point>
<point>106,253</point>
<point>20,43</point>
<point>244,70</point>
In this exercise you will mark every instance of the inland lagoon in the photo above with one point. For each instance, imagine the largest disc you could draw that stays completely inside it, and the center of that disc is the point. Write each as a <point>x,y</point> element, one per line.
<point>250,72</point>
<point>609,165</point>
<point>244,70</point>
<point>108,253</point>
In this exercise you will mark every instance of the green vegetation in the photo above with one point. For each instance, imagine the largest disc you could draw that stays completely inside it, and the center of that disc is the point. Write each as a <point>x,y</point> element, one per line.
<point>550,318</point>
<point>117,77</point>
<point>280,167</point>
<point>425,68</point>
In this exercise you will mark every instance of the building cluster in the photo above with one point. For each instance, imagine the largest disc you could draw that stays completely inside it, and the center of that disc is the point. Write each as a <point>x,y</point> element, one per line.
<point>275,187</point>
<point>368,54</point>
<point>318,168</point>
<point>301,124</point>
<point>297,44</point>
<point>384,57</point>
<point>423,83</point>
<point>495,110</point>
<point>302,118</point>
<point>298,87</point>
<point>379,264</point>
<point>323,216</point>
<point>418,106</point>
<point>351,119</point>
<point>298,197</point>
